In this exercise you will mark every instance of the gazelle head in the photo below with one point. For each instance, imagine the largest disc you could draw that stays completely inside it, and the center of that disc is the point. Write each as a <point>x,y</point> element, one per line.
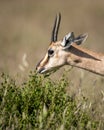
<point>58,51</point>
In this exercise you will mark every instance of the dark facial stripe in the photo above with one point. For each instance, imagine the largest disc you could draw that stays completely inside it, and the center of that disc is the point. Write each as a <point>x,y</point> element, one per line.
<point>39,63</point>
<point>43,62</point>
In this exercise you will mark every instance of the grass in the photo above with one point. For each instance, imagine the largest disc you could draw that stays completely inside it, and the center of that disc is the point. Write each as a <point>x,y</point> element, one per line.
<point>42,104</point>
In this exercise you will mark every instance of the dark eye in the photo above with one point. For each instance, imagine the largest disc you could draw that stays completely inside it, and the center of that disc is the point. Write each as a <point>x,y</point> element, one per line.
<point>50,52</point>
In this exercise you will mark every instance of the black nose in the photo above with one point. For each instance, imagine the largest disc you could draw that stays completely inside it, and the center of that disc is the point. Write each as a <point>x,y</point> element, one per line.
<point>37,66</point>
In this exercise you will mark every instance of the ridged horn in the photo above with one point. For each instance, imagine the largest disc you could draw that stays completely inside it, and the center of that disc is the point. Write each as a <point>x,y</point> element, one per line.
<point>56,28</point>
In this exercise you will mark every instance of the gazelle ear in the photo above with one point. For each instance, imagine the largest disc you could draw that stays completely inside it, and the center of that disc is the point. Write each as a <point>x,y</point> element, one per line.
<point>80,39</point>
<point>67,40</point>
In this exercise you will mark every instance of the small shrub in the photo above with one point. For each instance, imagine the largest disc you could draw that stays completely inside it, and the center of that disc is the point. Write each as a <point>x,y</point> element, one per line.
<point>40,104</point>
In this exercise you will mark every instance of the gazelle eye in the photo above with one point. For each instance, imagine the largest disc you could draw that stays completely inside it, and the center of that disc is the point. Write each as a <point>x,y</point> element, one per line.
<point>50,52</point>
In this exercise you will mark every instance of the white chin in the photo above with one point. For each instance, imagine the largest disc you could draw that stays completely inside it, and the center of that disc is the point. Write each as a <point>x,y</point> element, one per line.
<point>43,71</point>
<point>51,70</point>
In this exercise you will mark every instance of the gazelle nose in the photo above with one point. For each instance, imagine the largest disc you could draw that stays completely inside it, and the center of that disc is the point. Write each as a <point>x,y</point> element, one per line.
<point>39,69</point>
<point>36,67</point>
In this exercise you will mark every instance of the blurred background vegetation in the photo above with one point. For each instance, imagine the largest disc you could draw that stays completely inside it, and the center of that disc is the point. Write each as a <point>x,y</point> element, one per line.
<point>25,31</point>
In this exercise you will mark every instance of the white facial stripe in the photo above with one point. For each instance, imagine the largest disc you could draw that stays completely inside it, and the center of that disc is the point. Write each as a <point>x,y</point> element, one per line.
<point>45,60</point>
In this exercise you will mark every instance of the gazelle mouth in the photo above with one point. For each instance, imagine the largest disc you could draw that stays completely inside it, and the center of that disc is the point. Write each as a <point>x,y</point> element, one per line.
<point>41,71</point>
<point>48,71</point>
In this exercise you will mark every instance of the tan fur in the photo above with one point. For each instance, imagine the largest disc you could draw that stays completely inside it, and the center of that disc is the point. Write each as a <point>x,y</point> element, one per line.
<point>89,60</point>
<point>74,56</point>
<point>68,52</point>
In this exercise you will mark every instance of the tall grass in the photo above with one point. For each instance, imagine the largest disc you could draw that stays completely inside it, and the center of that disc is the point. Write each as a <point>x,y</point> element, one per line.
<point>41,104</point>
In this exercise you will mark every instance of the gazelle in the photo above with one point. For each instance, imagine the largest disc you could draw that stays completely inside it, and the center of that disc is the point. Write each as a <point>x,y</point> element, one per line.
<point>68,52</point>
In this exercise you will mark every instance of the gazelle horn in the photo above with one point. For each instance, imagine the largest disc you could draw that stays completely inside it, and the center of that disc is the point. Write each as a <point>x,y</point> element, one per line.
<point>56,28</point>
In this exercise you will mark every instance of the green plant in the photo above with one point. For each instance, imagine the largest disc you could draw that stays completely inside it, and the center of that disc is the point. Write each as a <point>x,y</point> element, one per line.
<point>40,104</point>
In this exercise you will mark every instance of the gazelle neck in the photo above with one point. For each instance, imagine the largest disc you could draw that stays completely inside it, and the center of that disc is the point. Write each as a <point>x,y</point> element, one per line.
<point>86,59</point>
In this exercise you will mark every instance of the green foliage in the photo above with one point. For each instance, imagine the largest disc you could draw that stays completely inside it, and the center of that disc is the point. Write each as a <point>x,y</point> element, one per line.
<point>40,104</point>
